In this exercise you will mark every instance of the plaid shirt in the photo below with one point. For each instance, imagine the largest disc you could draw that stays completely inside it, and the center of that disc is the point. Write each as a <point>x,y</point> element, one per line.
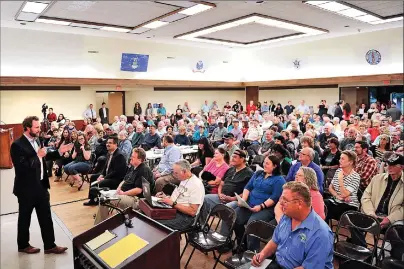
<point>366,167</point>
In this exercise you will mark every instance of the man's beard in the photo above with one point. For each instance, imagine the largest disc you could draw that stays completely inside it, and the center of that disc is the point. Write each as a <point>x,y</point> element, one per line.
<point>32,134</point>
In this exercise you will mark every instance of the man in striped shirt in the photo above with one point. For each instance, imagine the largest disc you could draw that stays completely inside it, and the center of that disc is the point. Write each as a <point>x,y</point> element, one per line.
<point>365,166</point>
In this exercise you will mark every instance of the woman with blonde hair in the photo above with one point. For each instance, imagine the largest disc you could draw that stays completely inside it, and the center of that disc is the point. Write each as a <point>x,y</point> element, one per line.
<point>307,176</point>
<point>382,145</point>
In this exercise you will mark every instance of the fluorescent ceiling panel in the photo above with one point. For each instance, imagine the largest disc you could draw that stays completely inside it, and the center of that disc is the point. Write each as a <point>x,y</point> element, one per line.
<point>195,9</point>
<point>83,25</point>
<point>351,12</point>
<point>177,3</point>
<point>34,7</point>
<point>316,3</point>
<point>155,24</point>
<point>139,30</point>
<point>388,20</point>
<point>174,17</point>
<point>114,29</point>
<point>25,16</point>
<point>333,6</point>
<point>367,18</point>
<point>57,22</point>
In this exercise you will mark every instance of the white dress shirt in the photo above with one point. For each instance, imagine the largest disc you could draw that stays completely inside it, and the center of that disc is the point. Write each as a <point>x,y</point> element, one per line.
<point>90,113</point>
<point>34,144</point>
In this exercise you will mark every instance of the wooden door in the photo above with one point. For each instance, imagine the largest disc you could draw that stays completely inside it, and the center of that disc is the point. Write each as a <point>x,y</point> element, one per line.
<point>115,105</point>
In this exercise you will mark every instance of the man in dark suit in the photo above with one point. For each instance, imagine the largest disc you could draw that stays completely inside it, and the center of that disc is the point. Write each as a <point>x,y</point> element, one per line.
<point>338,110</point>
<point>103,112</point>
<point>113,172</point>
<point>31,186</point>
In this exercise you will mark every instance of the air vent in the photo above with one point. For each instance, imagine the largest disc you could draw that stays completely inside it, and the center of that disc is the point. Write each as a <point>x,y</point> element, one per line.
<point>225,62</point>
<point>93,51</point>
<point>170,57</point>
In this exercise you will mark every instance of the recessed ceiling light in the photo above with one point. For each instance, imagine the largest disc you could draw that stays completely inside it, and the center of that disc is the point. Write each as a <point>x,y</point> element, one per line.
<point>34,7</point>
<point>195,9</point>
<point>333,6</point>
<point>351,12</point>
<point>316,3</point>
<point>115,29</point>
<point>367,18</point>
<point>53,21</point>
<point>386,21</point>
<point>155,24</point>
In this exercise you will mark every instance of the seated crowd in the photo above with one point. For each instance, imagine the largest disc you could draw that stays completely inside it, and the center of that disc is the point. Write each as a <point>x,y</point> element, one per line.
<point>294,168</point>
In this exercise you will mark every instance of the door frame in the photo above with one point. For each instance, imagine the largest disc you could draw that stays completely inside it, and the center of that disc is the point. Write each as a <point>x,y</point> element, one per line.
<point>123,99</point>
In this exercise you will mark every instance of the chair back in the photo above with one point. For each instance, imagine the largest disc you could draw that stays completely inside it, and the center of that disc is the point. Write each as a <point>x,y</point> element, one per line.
<point>325,210</point>
<point>395,236</point>
<point>350,264</point>
<point>224,213</point>
<point>359,221</point>
<point>260,229</point>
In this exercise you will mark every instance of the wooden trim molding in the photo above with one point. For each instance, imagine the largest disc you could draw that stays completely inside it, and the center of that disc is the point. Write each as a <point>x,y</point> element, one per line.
<point>177,89</point>
<point>39,88</point>
<point>327,86</point>
<point>327,80</point>
<point>54,81</point>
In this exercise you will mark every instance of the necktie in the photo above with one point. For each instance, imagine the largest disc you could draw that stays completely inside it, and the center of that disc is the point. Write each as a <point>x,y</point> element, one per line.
<point>109,162</point>
<point>92,115</point>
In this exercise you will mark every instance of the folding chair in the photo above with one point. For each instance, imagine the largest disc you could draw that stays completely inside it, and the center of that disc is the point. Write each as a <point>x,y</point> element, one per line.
<point>395,237</point>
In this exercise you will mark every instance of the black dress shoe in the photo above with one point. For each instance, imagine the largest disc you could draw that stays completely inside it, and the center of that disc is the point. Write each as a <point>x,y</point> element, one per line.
<point>90,203</point>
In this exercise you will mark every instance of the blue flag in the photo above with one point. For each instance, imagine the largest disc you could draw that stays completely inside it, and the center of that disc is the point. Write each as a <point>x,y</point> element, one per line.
<point>134,62</point>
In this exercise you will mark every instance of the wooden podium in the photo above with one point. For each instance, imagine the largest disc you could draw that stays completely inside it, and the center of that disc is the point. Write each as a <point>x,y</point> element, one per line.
<point>6,138</point>
<point>163,250</point>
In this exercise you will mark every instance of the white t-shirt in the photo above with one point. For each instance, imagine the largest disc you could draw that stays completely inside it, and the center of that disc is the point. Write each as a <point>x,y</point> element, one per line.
<point>190,191</point>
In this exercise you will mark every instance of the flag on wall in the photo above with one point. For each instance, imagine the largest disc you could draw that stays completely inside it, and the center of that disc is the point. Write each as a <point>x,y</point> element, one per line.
<point>134,62</point>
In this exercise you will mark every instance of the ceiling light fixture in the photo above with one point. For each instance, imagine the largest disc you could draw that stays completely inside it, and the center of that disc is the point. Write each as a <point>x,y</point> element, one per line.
<point>350,11</point>
<point>115,29</point>
<point>155,24</point>
<point>302,30</point>
<point>58,22</point>
<point>34,7</point>
<point>195,9</point>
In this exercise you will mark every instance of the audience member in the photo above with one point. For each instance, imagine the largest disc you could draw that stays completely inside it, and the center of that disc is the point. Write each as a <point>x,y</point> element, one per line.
<point>124,144</point>
<point>51,117</point>
<point>103,112</point>
<point>81,160</point>
<point>138,137</point>
<point>213,172</point>
<point>365,166</point>
<point>229,144</point>
<point>90,113</point>
<point>152,139</point>
<point>217,135</point>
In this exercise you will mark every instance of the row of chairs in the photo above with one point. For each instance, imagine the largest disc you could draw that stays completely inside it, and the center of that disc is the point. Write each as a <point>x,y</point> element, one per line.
<point>205,238</point>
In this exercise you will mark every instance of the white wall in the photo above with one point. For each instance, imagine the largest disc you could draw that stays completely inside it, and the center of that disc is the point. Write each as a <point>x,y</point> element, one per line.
<point>342,56</point>
<point>312,97</point>
<point>48,54</point>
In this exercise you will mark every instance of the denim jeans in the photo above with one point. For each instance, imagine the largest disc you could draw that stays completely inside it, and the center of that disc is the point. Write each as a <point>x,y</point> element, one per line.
<point>75,168</point>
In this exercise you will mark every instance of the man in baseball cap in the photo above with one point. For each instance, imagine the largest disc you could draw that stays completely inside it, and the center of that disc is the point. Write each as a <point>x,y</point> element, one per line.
<point>229,145</point>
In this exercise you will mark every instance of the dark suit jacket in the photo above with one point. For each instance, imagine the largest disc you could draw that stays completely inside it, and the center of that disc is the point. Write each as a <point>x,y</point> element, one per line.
<point>338,112</point>
<point>104,118</point>
<point>117,167</point>
<point>27,166</point>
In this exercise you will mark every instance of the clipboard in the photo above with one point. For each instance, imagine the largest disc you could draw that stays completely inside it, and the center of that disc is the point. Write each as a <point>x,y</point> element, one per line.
<point>100,240</point>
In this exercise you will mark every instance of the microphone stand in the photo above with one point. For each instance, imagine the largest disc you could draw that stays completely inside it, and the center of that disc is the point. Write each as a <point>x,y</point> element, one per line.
<point>126,220</point>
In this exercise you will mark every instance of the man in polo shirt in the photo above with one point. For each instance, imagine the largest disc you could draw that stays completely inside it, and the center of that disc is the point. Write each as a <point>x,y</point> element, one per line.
<point>151,139</point>
<point>229,145</point>
<point>217,135</point>
<point>236,131</point>
<point>301,239</point>
<point>306,157</point>
<point>234,181</point>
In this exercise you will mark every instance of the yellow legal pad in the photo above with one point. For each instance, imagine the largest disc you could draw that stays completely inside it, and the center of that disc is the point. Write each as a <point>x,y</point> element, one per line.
<point>123,249</point>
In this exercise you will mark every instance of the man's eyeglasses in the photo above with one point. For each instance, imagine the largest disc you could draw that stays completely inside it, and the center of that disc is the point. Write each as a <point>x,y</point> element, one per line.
<point>284,201</point>
<point>301,153</point>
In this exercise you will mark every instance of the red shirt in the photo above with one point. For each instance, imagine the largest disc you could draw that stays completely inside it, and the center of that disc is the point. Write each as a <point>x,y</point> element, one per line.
<point>51,117</point>
<point>251,108</point>
<point>374,132</point>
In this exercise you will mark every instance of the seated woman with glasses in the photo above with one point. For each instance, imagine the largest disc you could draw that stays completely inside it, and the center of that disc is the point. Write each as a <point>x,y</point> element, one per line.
<point>307,176</point>
<point>261,193</point>
<point>382,146</point>
<point>81,159</point>
<point>344,187</point>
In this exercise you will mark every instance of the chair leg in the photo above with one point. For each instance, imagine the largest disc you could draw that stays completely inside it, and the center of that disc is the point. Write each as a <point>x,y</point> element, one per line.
<point>183,251</point>
<point>190,256</point>
<point>217,260</point>
<point>82,182</point>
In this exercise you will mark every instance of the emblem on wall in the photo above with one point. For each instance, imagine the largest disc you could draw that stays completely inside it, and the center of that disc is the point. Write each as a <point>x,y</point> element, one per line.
<point>296,63</point>
<point>373,57</point>
<point>199,67</point>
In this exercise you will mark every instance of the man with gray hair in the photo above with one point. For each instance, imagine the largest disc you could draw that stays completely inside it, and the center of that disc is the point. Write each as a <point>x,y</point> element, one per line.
<point>306,157</point>
<point>187,198</point>
<point>327,134</point>
<point>301,239</point>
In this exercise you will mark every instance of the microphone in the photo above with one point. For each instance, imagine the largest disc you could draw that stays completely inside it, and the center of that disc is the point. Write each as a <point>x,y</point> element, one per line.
<point>105,200</point>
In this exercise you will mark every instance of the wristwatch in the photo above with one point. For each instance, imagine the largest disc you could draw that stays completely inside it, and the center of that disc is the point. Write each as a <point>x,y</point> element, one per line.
<point>175,203</point>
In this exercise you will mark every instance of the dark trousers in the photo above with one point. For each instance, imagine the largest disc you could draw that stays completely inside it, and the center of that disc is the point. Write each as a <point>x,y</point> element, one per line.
<point>108,182</point>
<point>61,162</point>
<point>100,164</point>
<point>26,205</point>
<point>336,210</point>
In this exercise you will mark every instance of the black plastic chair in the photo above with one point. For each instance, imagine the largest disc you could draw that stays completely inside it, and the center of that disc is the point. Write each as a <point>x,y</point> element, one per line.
<point>194,228</point>
<point>395,237</point>
<point>325,210</point>
<point>208,240</point>
<point>261,229</point>
<point>353,264</point>
<point>362,223</point>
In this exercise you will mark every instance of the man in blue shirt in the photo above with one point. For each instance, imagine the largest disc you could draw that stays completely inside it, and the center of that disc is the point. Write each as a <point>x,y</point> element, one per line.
<point>163,173</point>
<point>302,240</point>
<point>265,107</point>
<point>205,107</point>
<point>306,157</point>
<point>161,111</point>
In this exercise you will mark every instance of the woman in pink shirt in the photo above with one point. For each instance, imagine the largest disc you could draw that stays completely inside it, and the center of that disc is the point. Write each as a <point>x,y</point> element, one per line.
<point>217,168</point>
<point>308,176</point>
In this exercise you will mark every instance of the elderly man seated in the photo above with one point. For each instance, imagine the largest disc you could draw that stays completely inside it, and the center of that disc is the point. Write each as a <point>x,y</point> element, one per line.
<point>384,196</point>
<point>217,135</point>
<point>163,172</point>
<point>151,139</point>
<point>302,239</point>
<point>138,137</point>
<point>124,144</point>
<point>187,199</point>
<point>229,144</point>
<point>253,135</point>
<point>130,189</point>
<point>306,157</point>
